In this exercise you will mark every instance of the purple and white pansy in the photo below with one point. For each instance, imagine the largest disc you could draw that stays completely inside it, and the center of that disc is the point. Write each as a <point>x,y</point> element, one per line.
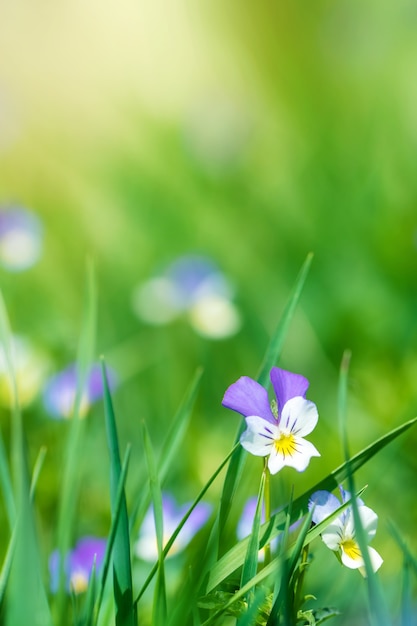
<point>340,534</point>
<point>276,429</point>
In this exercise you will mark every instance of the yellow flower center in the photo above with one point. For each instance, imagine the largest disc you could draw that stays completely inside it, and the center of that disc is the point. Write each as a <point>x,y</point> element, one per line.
<point>351,549</point>
<point>79,582</point>
<point>285,445</point>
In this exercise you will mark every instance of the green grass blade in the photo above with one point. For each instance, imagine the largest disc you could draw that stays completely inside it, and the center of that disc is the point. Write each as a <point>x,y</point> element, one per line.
<point>72,462</point>
<point>250,564</point>
<point>255,609</point>
<point>6,567</point>
<point>122,571</point>
<point>175,534</point>
<point>408,555</point>
<point>6,485</point>
<point>17,443</point>
<point>235,556</point>
<point>120,497</point>
<point>271,357</point>
<point>22,567</point>
<point>277,341</point>
<point>378,609</point>
<point>289,566</point>
<point>170,446</point>
<point>160,601</point>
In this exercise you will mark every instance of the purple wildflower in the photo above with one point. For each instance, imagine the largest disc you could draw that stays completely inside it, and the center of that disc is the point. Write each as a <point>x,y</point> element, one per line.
<point>276,430</point>
<point>78,564</point>
<point>60,391</point>
<point>146,545</point>
<point>192,286</point>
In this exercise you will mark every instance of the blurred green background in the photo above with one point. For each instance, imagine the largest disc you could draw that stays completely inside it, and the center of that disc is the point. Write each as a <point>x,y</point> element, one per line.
<point>250,133</point>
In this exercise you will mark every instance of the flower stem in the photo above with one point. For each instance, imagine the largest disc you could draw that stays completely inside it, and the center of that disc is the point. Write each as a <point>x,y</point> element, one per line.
<point>267,501</point>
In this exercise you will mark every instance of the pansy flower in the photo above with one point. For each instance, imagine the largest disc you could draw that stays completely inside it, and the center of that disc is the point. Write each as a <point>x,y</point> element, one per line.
<point>78,564</point>
<point>194,287</point>
<point>146,544</point>
<point>276,430</point>
<point>20,238</point>
<point>340,534</point>
<point>60,391</point>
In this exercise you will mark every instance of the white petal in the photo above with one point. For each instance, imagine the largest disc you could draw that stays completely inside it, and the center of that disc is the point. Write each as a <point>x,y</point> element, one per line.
<point>376,559</point>
<point>332,535</point>
<point>301,458</point>
<point>299,416</point>
<point>369,521</point>
<point>351,563</point>
<point>275,462</point>
<point>259,436</point>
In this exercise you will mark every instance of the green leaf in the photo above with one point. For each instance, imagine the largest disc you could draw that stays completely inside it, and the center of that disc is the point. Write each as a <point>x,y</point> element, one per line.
<point>6,484</point>
<point>160,602</point>
<point>176,532</point>
<point>170,446</point>
<point>288,569</point>
<point>72,462</point>
<point>408,555</point>
<point>250,564</point>
<point>22,568</point>
<point>120,498</point>
<point>235,556</point>
<point>271,357</point>
<point>378,610</point>
<point>122,572</point>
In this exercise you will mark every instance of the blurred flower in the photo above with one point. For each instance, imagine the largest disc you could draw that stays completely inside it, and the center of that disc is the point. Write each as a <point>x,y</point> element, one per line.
<point>20,238</point>
<point>245,523</point>
<point>78,564</point>
<point>339,535</point>
<point>60,391</point>
<point>30,368</point>
<point>192,286</point>
<point>146,546</point>
<point>276,430</point>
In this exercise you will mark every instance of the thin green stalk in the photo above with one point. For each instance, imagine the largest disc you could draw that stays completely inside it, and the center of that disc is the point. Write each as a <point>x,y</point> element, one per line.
<point>267,501</point>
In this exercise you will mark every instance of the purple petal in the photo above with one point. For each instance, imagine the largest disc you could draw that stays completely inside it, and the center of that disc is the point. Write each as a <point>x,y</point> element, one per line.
<point>146,546</point>
<point>325,504</point>
<point>95,382</point>
<point>84,553</point>
<point>248,397</point>
<point>60,391</point>
<point>78,560</point>
<point>244,527</point>
<point>287,385</point>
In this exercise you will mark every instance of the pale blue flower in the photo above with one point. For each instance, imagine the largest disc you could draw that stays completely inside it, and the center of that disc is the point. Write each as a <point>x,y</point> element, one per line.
<point>340,535</point>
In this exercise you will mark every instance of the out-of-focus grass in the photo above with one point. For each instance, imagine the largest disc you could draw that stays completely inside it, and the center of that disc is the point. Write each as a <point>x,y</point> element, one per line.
<point>143,132</point>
